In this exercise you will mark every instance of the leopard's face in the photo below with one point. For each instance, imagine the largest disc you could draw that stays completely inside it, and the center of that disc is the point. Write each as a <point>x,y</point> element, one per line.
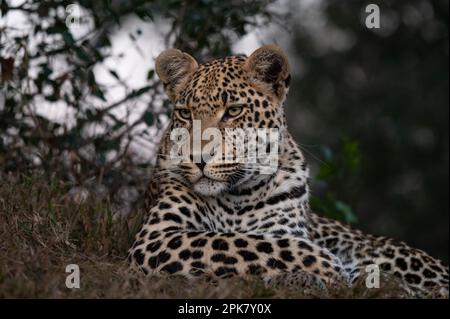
<point>219,105</point>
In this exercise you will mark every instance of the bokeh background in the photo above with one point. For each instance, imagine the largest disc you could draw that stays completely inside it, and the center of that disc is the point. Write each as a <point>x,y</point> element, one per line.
<point>79,99</point>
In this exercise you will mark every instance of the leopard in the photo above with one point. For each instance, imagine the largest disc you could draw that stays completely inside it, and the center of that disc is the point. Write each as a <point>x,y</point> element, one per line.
<point>227,219</point>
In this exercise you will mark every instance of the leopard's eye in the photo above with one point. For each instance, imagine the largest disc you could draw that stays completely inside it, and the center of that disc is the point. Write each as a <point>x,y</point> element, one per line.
<point>184,113</point>
<point>234,111</point>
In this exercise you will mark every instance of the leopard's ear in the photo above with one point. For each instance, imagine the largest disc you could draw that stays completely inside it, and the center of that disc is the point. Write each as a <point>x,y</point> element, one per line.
<point>269,67</point>
<point>174,68</point>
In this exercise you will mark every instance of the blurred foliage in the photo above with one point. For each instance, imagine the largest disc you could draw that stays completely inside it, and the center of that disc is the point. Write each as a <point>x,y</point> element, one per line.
<point>335,169</point>
<point>49,63</point>
<point>386,88</point>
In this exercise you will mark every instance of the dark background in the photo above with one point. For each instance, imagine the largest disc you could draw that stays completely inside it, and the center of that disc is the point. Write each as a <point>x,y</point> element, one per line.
<point>389,92</point>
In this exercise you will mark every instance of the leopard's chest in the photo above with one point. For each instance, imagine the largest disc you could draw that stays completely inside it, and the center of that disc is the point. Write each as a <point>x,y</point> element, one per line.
<point>264,218</point>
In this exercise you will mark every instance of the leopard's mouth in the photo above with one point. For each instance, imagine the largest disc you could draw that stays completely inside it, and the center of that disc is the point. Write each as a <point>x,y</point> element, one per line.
<point>209,187</point>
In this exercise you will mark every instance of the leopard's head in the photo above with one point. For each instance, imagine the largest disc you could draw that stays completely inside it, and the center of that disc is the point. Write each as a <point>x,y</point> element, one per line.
<point>231,97</point>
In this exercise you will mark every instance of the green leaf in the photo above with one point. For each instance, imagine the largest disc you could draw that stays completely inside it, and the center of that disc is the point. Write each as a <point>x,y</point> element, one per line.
<point>150,74</point>
<point>346,211</point>
<point>136,93</point>
<point>68,38</point>
<point>148,118</point>
<point>107,145</point>
<point>166,104</point>
<point>114,74</point>
<point>327,153</point>
<point>55,29</point>
<point>91,78</point>
<point>119,124</point>
<point>99,93</point>
<point>3,8</point>
<point>82,54</point>
<point>144,14</point>
<point>351,154</point>
<point>327,171</point>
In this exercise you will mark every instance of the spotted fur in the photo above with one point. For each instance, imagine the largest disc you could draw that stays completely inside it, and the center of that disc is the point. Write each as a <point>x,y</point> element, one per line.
<point>228,219</point>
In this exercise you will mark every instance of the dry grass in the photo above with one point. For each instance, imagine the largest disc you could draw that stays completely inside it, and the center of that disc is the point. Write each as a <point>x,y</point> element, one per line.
<point>41,232</point>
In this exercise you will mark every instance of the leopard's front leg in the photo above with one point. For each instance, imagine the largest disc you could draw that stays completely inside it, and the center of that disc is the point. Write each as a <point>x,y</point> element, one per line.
<point>172,241</point>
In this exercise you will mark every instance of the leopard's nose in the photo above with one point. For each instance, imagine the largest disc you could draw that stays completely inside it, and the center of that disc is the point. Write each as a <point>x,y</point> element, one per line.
<point>201,165</point>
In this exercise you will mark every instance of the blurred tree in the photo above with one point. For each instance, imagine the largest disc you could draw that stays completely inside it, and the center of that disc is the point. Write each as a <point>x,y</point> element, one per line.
<point>44,61</point>
<point>386,88</point>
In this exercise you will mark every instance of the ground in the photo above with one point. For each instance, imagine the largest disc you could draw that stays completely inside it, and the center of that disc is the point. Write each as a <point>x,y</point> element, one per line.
<point>42,231</point>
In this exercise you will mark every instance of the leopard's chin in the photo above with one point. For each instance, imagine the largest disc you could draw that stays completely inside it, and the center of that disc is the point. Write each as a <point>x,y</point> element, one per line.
<point>208,187</point>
